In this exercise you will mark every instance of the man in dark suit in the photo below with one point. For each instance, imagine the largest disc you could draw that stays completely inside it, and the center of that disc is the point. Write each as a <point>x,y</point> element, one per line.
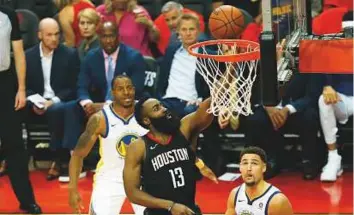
<point>52,72</point>
<point>296,113</point>
<point>98,69</point>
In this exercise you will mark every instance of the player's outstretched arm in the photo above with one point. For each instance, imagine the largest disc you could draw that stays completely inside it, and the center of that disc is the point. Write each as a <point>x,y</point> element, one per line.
<point>280,205</point>
<point>230,210</point>
<point>95,127</point>
<point>131,177</point>
<point>194,123</point>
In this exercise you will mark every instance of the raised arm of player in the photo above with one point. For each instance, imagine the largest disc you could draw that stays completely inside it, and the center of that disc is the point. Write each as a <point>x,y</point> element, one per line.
<point>95,126</point>
<point>194,123</point>
<point>230,210</point>
<point>131,177</point>
<point>280,205</point>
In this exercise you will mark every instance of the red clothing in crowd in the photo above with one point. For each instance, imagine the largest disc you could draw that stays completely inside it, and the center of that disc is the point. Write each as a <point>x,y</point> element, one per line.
<point>165,32</point>
<point>252,32</point>
<point>329,21</point>
<point>337,3</point>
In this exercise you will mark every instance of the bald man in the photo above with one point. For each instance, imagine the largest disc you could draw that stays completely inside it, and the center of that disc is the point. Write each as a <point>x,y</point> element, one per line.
<point>52,72</point>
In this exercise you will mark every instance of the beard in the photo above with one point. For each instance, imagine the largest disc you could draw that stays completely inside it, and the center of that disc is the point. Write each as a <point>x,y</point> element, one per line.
<point>250,184</point>
<point>168,124</point>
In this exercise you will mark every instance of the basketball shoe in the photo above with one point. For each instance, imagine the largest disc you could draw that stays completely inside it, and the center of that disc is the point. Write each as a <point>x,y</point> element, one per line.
<point>332,169</point>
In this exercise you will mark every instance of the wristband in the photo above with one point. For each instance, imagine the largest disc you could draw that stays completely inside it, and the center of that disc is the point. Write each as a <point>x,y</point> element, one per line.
<point>200,164</point>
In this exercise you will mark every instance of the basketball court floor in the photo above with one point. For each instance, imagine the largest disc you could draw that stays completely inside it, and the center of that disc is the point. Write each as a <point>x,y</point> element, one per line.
<point>306,197</point>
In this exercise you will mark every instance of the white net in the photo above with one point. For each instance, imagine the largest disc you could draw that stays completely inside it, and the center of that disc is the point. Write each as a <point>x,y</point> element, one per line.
<point>230,83</point>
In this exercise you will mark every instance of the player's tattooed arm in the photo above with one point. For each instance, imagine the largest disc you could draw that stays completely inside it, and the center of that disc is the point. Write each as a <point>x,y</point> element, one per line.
<point>88,138</point>
<point>94,127</point>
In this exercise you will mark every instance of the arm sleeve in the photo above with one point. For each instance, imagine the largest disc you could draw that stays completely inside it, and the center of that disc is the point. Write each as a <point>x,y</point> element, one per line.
<point>15,32</point>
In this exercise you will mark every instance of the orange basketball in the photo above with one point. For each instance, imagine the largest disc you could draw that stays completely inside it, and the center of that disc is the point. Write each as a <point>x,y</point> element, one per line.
<point>226,22</point>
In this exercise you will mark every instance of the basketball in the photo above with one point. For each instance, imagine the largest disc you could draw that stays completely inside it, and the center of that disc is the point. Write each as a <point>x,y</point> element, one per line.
<point>226,22</point>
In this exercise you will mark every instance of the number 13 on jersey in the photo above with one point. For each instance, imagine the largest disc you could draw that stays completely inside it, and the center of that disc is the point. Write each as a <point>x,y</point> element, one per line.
<point>177,177</point>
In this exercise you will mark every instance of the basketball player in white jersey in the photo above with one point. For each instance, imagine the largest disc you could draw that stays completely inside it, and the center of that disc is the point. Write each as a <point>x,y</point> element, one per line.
<point>116,128</point>
<point>255,196</point>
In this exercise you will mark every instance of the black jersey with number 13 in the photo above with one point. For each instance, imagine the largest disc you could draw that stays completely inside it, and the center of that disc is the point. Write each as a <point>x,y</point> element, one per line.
<point>169,170</point>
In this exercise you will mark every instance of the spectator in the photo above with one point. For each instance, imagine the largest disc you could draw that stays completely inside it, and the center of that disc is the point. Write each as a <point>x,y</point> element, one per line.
<point>136,29</point>
<point>296,113</point>
<point>180,86</point>
<point>167,23</point>
<point>52,71</point>
<point>335,103</point>
<point>13,98</point>
<point>97,71</point>
<point>89,20</point>
<point>68,19</point>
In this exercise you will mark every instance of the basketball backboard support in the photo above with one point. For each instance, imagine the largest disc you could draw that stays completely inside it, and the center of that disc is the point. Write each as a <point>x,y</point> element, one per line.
<point>282,19</point>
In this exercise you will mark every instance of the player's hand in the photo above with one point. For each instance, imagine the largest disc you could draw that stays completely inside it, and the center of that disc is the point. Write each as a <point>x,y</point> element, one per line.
<point>330,96</point>
<point>179,209</point>
<point>20,99</point>
<point>208,173</point>
<point>75,201</point>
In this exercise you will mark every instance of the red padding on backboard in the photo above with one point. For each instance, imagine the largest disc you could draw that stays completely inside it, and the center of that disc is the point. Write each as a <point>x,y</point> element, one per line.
<point>326,56</point>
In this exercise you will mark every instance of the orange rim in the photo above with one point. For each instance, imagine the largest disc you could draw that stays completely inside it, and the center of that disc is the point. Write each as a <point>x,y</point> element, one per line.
<point>251,55</point>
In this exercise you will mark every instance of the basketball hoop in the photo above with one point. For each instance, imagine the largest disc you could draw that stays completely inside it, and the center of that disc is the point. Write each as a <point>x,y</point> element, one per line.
<point>223,63</point>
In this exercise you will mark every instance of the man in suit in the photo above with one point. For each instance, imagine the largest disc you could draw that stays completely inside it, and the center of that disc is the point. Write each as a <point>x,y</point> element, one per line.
<point>98,69</point>
<point>296,113</point>
<point>52,72</point>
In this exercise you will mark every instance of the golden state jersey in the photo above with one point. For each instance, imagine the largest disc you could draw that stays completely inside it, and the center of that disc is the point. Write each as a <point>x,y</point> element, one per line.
<point>113,145</point>
<point>258,206</point>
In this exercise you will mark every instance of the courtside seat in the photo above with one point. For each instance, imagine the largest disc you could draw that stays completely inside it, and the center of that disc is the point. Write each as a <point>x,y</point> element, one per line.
<point>37,140</point>
<point>151,75</point>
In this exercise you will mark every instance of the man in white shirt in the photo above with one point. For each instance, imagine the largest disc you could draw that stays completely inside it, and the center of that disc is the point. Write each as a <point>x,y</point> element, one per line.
<point>52,72</point>
<point>180,86</point>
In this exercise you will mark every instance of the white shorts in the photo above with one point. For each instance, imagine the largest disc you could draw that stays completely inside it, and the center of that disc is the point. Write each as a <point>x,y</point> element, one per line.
<point>108,199</point>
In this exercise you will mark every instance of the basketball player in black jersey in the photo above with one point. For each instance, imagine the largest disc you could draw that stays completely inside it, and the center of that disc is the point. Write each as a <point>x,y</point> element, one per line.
<point>165,159</point>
